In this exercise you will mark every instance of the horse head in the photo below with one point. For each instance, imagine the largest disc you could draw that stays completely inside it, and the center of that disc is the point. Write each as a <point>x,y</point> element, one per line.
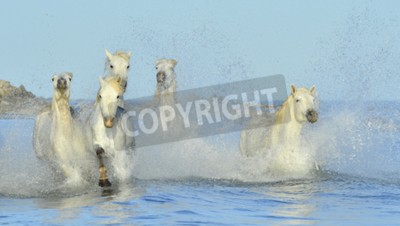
<point>117,64</point>
<point>61,84</point>
<point>304,104</point>
<point>108,98</point>
<point>165,72</point>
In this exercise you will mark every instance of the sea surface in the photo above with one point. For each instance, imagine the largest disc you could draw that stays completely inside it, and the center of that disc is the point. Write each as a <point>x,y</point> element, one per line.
<point>205,181</point>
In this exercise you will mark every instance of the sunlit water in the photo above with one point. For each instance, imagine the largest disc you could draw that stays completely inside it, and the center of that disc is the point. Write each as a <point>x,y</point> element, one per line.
<point>206,181</point>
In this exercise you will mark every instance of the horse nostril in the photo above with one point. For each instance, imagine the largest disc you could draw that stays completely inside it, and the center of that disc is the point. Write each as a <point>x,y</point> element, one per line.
<point>160,77</point>
<point>61,83</point>
<point>108,122</point>
<point>312,116</point>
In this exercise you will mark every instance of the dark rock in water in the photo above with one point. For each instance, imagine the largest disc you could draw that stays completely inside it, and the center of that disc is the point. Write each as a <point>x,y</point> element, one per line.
<point>19,101</point>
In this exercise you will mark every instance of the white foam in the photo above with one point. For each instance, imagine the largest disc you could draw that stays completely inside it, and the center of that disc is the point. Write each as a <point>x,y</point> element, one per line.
<point>345,142</point>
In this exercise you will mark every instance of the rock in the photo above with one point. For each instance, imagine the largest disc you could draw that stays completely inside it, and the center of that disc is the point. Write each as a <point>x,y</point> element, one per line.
<point>19,101</point>
<point>5,88</point>
<point>21,92</point>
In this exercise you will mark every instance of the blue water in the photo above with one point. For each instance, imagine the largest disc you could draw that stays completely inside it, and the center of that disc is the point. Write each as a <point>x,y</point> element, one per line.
<point>204,181</point>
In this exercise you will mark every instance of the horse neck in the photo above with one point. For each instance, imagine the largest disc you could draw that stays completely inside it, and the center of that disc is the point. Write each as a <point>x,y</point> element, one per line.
<point>167,99</point>
<point>61,112</point>
<point>60,102</point>
<point>96,114</point>
<point>167,96</point>
<point>289,127</point>
<point>172,87</point>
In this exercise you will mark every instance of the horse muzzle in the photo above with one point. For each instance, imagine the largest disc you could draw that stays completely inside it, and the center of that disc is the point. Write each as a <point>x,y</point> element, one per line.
<point>62,84</point>
<point>161,77</point>
<point>108,122</point>
<point>312,116</point>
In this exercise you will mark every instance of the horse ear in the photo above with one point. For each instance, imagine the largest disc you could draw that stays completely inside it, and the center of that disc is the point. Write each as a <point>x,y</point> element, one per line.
<point>158,61</point>
<point>173,62</point>
<point>312,89</point>
<point>108,54</point>
<point>129,54</point>
<point>69,74</point>
<point>293,89</point>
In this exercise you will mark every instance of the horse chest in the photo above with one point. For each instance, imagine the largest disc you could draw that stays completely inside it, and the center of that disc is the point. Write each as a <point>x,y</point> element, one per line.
<point>111,139</point>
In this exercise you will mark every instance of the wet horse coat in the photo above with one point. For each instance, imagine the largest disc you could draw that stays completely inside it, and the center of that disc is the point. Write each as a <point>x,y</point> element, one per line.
<point>283,138</point>
<point>107,132</point>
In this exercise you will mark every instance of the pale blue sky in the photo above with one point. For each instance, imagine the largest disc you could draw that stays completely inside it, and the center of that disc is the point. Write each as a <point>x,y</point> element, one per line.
<point>346,48</point>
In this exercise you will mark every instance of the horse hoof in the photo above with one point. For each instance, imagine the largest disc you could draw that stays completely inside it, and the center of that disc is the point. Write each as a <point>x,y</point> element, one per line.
<point>104,183</point>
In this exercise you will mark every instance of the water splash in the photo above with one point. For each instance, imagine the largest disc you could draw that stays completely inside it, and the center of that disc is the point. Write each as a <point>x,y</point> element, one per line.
<point>359,59</point>
<point>356,141</point>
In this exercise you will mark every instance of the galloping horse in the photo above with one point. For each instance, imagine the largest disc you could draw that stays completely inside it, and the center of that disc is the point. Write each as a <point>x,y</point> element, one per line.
<point>107,132</point>
<point>284,136</point>
<point>56,137</point>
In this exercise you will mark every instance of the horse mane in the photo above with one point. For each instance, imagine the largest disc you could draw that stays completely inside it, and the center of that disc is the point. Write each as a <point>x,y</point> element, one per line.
<point>115,82</point>
<point>123,55</point>
<point>280,114</point>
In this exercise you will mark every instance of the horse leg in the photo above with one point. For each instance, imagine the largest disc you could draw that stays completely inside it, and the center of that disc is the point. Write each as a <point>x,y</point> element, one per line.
<point>103,180</point>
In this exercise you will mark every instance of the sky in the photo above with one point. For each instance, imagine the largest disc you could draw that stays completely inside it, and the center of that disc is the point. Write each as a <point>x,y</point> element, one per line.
<point>347,49</point>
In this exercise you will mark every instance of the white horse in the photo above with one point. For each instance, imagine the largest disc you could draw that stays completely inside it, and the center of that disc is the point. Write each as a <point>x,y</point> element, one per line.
<point>165,93</point>
<point>166,81</point>
<point>106,132</point>
<point>57,138</point>
<point>284,136</point>
<point>117,65</point>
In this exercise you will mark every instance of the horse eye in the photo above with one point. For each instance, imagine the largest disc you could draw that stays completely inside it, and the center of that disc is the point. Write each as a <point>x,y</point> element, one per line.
<point>298,100</point>
<point>156,68</point>
<point>117,97</point>
<point>111,66</point>
<point>70,79</point>
<point>100,96</point>
<point>127,67</point>
<point>52,79</point>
